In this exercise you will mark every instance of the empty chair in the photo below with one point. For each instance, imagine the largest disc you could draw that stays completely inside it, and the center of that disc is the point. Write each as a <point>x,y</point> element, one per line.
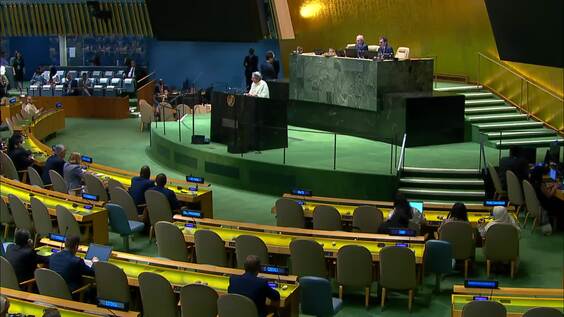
<point>34,90</point>
<point>402,53</point>
<point>68,225</point>
<point>116,82</point>
<point>8,167</point>
<point>230,303</point>
<point>58,91</point>
<point>316,297</point>
<point>58,182</point>
<point>167,112</point>
<point>98,90</point>
<point>122,225</point>
<point>6,217</point>
<point>354,268</point>
<point>367,219</point>
<point>147,114</point>
<point>95,186</point>
<point>198,300</point>
<point>34,177</point>
<point>514,191</point>
<point>109,73</point>
<point>112,183</point>
<point>111,91</point>
<point>542,312</point>
<point>479,308</point>
<point>41,218</point>
<point>326,218</point>
<point>461,237</point>
<point>96,73</point>
<point>532,202</point>
<point>289,213</point>
<point>397,271</point>
<point>20,213</point>
<point>111,282</point>
<point>170,242</point>
<point>121,197</point>
<point>104,81</point>
<point>50,283</point>
<point>158,207</point>
<point>210,249</point>
<point>246,245</point>
<point>502,245</point>
<point>129,85</point>
<point>157,295</point>
<point>307,258</point>
<point>499,191</point>
<point>46,90</point>
<point>438,259</point>
<point>8,276</point>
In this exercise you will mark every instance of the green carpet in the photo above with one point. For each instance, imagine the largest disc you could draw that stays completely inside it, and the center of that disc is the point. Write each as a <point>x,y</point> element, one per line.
<point>120,144</point>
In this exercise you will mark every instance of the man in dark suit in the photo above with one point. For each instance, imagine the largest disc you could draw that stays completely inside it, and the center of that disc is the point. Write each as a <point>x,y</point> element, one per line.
<point>169,194</point>
<point>253,287</point>
<point>21,157</point>
<point>251,65</point>
<point>361,47</point>
<point>516,163</point>
<point>70,266</point>
<point>23,257</point>
<point>385,51</point>
<point>268,67</point>
<point>139,185</point>
<point>55,162</point>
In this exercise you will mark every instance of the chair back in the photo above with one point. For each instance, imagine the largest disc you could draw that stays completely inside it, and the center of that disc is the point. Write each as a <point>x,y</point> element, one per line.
<point>157,296</point>
<point>438,256</point>
<point>8,167</point>
<point>111,282</point>
<point>531,199</point>
<point>8,276</point>
<point>307,258</point>
<point>402,53</point>
<point>495,179</point>
<point>461,237</point>
<point>350,46</point>
<point>354,266</point>
<point>198,300</point>
<point>50,283</point>
<point>367,219</point>
<point>397,268</point>
<point>158,206</point>
<point>68,226</point>
<point>95,186</point>
<point>121,197</point>
<point>210,249</point>
<point>118,219</point>
<point>146,110</point>
<point>167,111</point>
<point>316,297</point>
<point>41,218</point>
<point>502,242</point>
<point>113,183</point>
<point>479,308</point>
<point>326,218</point>
<point>230,303</point>
<point>246,245</point>
<point>373,48</point>
<point>5,214</point>
<point>34,177</point>
<point>183,109</point>
<point>542,312</point>
<point>20,213</point>
<point>170,242</point>
<point>514,189</point>
<point>289,213</point>
<point>58,182</point>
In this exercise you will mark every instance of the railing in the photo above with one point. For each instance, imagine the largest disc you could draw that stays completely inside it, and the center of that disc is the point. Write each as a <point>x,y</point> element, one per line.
<point>528,96</point>
<point>400,164</point>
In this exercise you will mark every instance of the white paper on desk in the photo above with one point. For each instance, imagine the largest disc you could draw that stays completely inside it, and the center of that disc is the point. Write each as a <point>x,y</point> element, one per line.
<point>72,52</point>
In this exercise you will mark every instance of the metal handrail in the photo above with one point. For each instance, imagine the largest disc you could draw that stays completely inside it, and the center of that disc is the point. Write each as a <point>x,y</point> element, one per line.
<point>401,162</point>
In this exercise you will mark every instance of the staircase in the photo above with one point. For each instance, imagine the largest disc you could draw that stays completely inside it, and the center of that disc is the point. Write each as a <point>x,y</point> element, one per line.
<point>498,123</point>
<point>442,185</point>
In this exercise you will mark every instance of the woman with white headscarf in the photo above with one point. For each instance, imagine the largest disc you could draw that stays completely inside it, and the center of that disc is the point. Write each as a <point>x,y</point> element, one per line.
<point>500,215</point>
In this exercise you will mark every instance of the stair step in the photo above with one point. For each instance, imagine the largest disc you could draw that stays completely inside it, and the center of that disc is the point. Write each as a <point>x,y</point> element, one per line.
<point>528,141</point>
<point>439,170</point>
<point>460,88</point>
<point>509,125</point>
<point>483,102</point>
<point>519,134</point>
<point>478,95</point>
<point>442,181</point>
<point>497,117</point>
<point>443,192</point>
<point>493,109</point>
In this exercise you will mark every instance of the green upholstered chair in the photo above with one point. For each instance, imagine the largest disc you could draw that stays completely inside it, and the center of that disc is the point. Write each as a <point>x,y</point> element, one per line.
<point>316,297</point>
<point>58,182</point>
<point>8,276</point>
<point>95,186</point>
<point>289,213</point>
<point>480,308</point>
<point>198,300</point>
<point>8,167</point>
<point>534,209</point>
<point>307,258</point>
<point>121,225</point>
<point>210,249</point>
<point>68,226</point>
<point>514,191</point>
<point>326,218</point>
<point>542,312</point>
<point>113,183</point>
<point>111,282</point>
<point>246,245</point>
<point>461,237</point>
<point>121,197</point>
<point>367,219</point>
<point>234,304</point>
<point>6,217</point>
<point>50,283</point>
<point>21,215</point>
<point>498,186</point>
<point>157,295</point>
<point>170,242</point>
<point>438,259</point>
<point>34,177</point>
<point>41,218</point>
<point>397,271</point>
<point>354,268</point>
<point>502,245</point>
<point>158,208</point>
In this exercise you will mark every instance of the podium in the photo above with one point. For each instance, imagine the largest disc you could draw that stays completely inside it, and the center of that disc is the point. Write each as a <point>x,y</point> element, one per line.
<point>247,123</point>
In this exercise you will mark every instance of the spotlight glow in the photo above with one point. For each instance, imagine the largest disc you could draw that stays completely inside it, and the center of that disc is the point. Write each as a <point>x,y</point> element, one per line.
<point>310,9</point>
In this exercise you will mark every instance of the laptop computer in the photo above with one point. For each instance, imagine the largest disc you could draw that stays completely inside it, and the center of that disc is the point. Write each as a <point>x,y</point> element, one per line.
<point>102,252</point>
<point>417,205</point>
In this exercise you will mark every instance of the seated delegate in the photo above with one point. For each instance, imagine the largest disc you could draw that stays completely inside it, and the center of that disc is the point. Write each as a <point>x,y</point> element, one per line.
<point>139,185</point>
<point>69,266</point>
<point>385,51</point>
<point>169,194</point>
<point>23,257</point>
<point>54,162</point>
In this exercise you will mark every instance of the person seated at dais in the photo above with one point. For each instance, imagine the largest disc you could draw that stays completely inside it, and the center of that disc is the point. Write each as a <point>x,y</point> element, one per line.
<point>37,78</point>
<point>169,194</point>
<point>330,53</point>
<point>361,47</point>
<point>70,87</point>
<point>385,51</point>
<point>500,215</point>
<point>84,85</point>
<point>259,88</point>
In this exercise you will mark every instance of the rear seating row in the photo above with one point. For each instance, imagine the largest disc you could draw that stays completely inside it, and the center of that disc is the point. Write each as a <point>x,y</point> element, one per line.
<point>102,87</point>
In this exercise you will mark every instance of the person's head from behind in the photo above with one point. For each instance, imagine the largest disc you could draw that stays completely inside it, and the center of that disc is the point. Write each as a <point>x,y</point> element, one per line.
<point>74,158</point>
<point>400,201</point>
<point>72,243</point>
<point>251,51</point>
<point>161,180</point>
<point>38,70</point>
<point>256,77</point>
<point>132,63</point>
<point>51,312</point>
<point>145,172</point>
<point>52,71</point>
<point>69,76</point>
<point>59,150</point>
<point>4,306</point>
<point>22,238</point>
<point>499,213</point>
<point>383,41</point>
<point>15,141</point>
<point>269,56</point>
<point>360,39</point>
<point>252,264</point>
<point>458,212</point>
